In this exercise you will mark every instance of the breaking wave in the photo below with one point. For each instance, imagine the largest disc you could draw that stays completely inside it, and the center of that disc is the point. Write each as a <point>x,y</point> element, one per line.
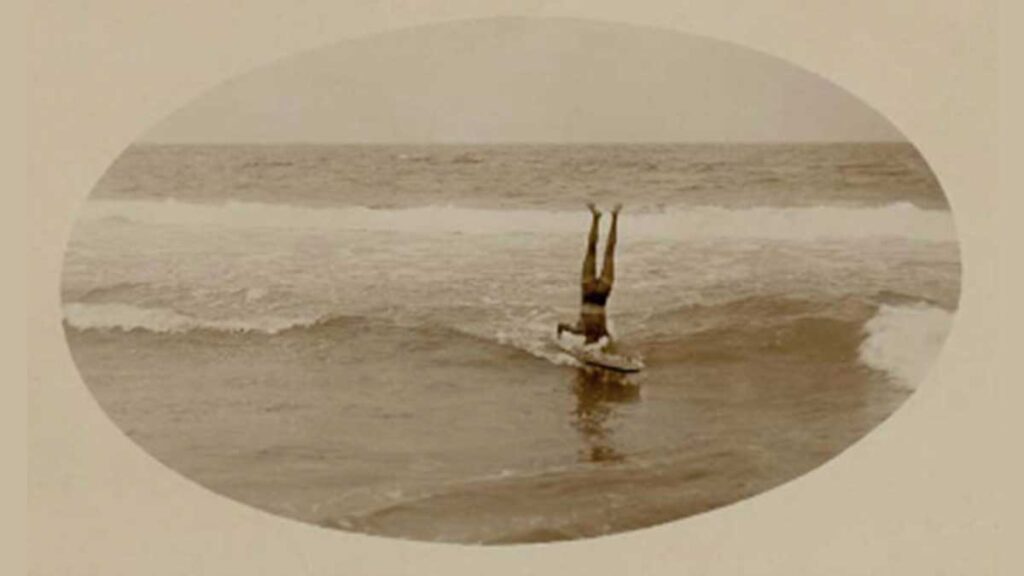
<point>904,341</point>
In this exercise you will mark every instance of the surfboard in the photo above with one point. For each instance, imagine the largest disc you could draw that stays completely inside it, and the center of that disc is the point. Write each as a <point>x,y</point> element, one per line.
<point>597,357</point>
<point>610,361</point>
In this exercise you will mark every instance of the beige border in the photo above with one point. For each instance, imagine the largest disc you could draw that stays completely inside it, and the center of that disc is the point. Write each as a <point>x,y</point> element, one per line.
<point>925,493</point>
<point>13,162</point>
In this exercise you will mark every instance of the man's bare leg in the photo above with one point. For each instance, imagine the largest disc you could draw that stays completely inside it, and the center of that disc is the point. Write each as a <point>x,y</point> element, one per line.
<point>590,261</point>
<point>608,268</point>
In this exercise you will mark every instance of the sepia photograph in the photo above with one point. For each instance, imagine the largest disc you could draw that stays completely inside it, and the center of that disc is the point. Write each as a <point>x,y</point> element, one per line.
<point>510,281</point>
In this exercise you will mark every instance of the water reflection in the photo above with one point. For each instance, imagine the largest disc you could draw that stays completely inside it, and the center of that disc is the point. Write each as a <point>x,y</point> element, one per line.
<point>597,392</point>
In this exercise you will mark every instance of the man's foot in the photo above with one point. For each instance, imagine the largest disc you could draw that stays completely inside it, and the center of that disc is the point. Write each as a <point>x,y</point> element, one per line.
<point>593,209</point>
<point>617,209</point>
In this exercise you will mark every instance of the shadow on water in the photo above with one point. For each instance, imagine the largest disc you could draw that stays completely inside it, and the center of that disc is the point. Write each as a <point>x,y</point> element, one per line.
<point>597,393</point>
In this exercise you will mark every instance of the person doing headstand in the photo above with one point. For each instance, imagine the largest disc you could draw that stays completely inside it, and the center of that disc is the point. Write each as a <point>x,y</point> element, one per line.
<point>592,324</point>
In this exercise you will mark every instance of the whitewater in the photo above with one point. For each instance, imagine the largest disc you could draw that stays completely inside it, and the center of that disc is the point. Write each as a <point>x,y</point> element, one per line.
<point>899,220</point>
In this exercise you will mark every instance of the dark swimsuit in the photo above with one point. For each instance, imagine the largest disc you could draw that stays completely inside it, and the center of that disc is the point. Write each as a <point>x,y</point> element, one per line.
<point>598,296</point>
<point>592,319</point>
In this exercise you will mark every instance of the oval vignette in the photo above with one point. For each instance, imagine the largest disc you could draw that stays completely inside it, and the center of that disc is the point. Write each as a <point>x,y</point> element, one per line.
<point>332,288</point>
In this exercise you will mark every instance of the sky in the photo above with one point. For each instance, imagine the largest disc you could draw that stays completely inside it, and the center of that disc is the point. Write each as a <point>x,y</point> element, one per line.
<point>526,80</point>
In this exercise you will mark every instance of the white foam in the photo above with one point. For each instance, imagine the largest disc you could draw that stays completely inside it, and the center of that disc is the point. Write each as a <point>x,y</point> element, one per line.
<point>895,220</point>
<point>905,340</point>
<point>127,317</point>
<point>533,341</point>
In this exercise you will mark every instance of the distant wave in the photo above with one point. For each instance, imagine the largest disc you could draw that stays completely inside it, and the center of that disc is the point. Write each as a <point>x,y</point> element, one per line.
<point>126,317</point>
<point>905,340</point>
<point>902,220</point>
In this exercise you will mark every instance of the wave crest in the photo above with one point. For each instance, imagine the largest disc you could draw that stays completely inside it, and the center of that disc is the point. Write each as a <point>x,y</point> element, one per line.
<point>902,340</point>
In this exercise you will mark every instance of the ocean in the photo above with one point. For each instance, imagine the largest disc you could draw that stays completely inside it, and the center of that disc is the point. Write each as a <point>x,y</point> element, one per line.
<point>362,336</point>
